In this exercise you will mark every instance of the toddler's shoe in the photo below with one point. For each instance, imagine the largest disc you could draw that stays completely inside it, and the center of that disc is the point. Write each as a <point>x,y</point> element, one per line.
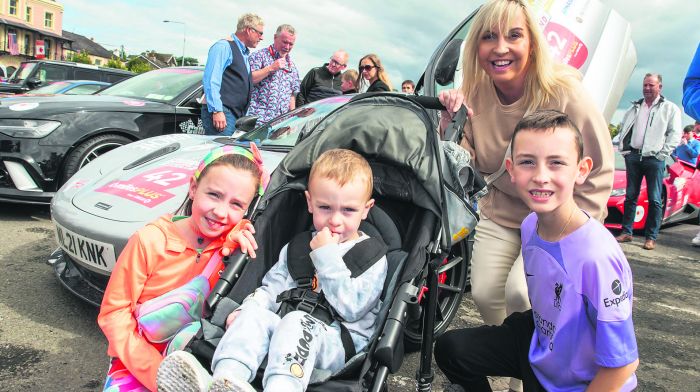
<point>182,372</point>
<point>230,385</point>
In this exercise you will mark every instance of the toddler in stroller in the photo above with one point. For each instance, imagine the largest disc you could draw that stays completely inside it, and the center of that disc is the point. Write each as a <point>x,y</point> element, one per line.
<point>396,135</point>
<point>318,304</point>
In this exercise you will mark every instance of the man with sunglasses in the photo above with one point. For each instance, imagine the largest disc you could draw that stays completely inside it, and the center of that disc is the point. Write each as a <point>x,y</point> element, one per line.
<point>227,81</point>
<point>323,81</point>
<point>275,77</point>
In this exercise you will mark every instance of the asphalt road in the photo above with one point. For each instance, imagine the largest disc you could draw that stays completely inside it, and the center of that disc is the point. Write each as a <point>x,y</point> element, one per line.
<point>49,340</point>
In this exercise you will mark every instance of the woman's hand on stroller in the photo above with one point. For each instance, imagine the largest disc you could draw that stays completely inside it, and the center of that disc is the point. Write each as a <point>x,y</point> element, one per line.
<point>241,236</point>
<point>452,100</point>
<point>324,237</point>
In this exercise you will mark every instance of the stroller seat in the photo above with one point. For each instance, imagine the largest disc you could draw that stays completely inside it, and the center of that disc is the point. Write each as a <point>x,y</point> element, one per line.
<point>398,139</point>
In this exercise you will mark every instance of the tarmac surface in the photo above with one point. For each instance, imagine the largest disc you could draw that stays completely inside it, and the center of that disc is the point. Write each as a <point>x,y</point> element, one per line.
<point>50,341</point>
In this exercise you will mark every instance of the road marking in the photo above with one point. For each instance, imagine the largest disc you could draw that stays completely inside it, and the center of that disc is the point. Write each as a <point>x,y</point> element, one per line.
<point>693,312</point>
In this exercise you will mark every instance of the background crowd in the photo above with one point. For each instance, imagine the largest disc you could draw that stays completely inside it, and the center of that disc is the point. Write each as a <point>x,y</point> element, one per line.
<point>266,82</point>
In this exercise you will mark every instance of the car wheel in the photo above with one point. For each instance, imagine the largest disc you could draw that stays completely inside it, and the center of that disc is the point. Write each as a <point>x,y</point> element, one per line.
<point>88,151</point>
<point>453,278</point>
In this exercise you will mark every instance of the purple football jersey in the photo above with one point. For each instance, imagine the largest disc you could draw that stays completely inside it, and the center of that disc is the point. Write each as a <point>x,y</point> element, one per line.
<point>581,294</point>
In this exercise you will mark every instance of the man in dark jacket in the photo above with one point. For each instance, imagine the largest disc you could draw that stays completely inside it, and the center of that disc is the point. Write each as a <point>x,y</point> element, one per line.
<point>324,81</point>
<point>227,81</point>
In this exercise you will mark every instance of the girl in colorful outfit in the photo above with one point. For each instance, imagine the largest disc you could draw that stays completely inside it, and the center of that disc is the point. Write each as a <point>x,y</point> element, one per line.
<point>169,252</point>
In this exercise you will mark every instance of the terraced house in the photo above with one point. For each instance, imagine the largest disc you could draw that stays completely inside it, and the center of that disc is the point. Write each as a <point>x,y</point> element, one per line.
<point>30,29</point>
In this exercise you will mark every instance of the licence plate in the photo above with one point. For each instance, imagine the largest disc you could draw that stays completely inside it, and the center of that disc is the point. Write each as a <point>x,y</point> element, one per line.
<point>91,252</point>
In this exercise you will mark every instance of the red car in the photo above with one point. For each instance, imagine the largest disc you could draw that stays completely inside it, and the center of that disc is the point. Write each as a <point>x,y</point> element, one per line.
<point>680,195</point>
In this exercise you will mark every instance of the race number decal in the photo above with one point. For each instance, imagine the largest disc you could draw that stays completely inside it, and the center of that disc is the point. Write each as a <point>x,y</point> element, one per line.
<point>149,188</point>
<point>565,46</point>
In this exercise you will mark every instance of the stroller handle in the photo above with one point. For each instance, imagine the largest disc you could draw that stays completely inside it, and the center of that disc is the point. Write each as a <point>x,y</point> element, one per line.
<point>453,133</point>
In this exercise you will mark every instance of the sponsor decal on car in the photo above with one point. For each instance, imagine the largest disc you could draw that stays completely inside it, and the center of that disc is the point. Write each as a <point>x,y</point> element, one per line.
<point>565,46</point>
<point>149,188</point>
<point>20,107</point>
<point>131,102</point>
<point>91,252</point>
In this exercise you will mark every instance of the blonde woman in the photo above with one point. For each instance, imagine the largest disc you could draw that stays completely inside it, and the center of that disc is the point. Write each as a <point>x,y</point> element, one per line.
<point>373,72</point>
<point>507,73</point>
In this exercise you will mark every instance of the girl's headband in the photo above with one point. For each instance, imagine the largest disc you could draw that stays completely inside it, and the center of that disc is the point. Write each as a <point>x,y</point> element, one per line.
<point>253,155</point>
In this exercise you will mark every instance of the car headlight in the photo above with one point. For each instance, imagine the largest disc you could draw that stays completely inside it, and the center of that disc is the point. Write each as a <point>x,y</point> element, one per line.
<point>29,129</point>
<point>618,192</point>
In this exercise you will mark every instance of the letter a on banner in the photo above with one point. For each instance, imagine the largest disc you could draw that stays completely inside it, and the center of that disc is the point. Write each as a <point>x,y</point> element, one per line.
<point>40,52</point>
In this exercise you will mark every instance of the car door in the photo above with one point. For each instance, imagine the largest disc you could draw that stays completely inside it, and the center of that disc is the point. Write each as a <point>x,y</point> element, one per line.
<point>589,36</point>
<point>187,114</point>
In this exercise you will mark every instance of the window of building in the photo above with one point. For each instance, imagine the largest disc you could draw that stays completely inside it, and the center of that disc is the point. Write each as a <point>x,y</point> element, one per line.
<point>48,20</point>
<point>28,14</point>
<point>13,7</point>
<point>47,48</point>
<point>98,62</point>
<point>7,40</point>
<point>27,44</point>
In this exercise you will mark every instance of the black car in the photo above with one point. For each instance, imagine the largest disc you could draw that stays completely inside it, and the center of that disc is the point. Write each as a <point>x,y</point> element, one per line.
<point>34,73</point>
<point>45,140</point>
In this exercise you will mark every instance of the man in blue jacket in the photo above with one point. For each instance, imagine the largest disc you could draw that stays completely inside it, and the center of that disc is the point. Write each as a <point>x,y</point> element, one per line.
<point>691,100</point>
<point>649,132</point>
<point>227,81</point>
<point>689,149</point>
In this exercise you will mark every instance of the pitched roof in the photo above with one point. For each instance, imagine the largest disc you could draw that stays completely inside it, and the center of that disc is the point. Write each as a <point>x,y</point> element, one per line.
<point>81,43</point>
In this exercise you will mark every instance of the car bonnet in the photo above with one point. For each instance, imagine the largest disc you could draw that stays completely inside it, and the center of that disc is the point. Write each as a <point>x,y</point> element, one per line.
<point>136,191</point>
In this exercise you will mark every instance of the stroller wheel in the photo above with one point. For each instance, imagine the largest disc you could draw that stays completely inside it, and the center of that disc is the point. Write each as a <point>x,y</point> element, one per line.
<point>453,279</point>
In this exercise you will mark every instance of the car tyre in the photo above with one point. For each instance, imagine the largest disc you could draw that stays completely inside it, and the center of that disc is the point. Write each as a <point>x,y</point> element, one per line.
<point>88,151</point>
<point>457,282</point>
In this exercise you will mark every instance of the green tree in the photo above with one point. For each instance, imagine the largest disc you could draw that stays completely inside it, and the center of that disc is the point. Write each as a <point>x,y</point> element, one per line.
<point>80,57</point>
<point>189,61</point>
<point>138,65</point>
<point>115,63</point>
<point>613,130</point>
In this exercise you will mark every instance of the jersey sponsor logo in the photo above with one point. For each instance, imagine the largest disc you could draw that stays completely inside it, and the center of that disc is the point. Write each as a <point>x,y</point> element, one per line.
<point>621,295</point>
<point>558,287</point>
<point>546,328</point>
<point>616,287</point>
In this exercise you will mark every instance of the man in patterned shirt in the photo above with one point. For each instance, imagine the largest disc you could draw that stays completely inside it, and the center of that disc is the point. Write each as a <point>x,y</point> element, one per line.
<point>275,77</point>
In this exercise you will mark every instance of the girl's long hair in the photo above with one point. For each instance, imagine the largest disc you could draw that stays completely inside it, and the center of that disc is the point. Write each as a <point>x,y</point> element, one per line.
<point>545,81</point>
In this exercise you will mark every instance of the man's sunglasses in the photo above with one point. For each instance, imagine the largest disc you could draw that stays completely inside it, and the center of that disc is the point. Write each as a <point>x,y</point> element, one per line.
<point>337,64</point>
<point>367,67</point>
<point>260,33</point>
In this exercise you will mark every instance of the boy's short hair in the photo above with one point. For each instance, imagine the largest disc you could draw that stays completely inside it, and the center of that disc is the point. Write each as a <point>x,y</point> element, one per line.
<point>548,120</point>
<point>688,128</point>
<point>342,166</point>
<point>349,75</point>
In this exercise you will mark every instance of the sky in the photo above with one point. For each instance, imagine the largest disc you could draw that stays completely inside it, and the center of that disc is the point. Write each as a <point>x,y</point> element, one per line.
<point>403,34</point>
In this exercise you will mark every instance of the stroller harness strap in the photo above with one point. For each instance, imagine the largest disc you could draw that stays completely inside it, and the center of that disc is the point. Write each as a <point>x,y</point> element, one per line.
<point>303,297</point>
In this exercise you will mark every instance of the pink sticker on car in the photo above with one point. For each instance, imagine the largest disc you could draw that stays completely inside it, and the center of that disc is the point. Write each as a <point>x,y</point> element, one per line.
<point>131,102</point>
<point>565,46</point>
<point>184,71</point>
<point>149,188</point>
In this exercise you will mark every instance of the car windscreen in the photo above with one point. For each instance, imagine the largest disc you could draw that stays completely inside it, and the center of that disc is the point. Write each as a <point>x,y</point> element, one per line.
<point>161,85</point>
<point>52,88</point>
<point>22,72</point>
<point>284,131</point>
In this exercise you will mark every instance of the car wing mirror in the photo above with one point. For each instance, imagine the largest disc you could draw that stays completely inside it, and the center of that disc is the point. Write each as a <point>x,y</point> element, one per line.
<point>246,123</point>
<point>447,62</point>
<point>33,82</point>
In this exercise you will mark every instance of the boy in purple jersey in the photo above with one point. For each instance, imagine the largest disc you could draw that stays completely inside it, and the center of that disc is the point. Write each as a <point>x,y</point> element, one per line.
<point>579,334</point>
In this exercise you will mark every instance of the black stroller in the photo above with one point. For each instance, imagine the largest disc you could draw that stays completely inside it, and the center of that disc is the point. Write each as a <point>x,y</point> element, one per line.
<point>423,213</point>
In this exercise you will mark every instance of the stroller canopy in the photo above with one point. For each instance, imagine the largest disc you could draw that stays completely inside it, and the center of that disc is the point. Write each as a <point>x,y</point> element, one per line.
<point>393,132</point>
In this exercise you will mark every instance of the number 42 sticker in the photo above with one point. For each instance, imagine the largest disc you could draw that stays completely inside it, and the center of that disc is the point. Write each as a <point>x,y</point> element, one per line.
<point>565,46</point>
